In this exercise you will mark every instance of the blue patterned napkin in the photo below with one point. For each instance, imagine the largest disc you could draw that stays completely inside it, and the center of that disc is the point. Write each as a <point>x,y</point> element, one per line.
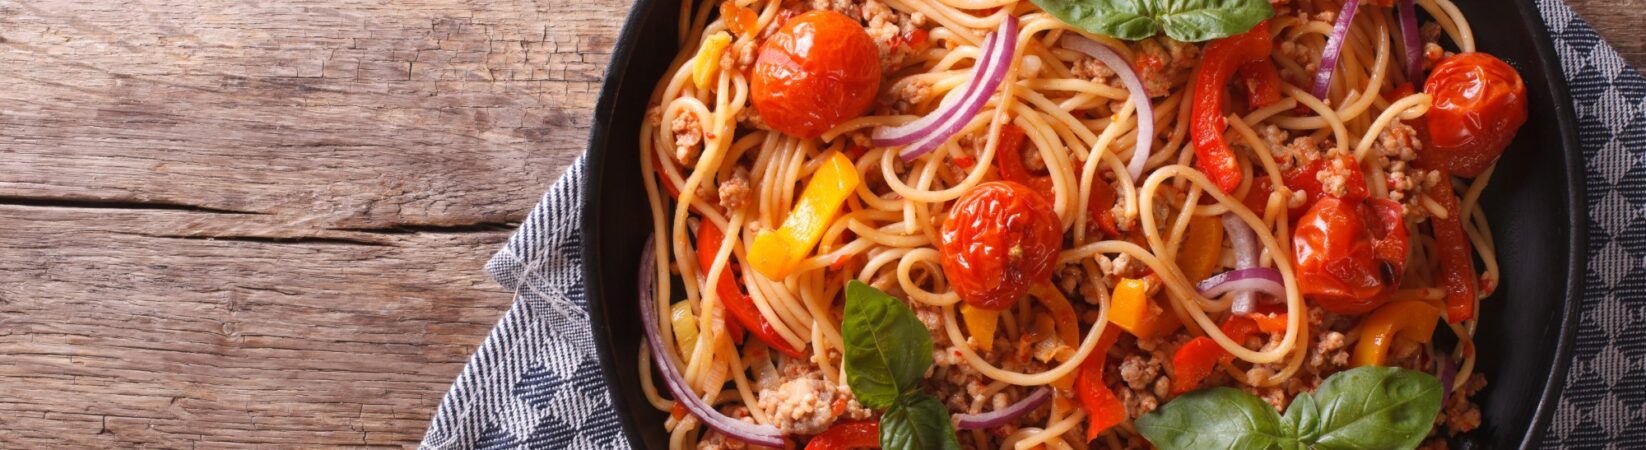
<point>535,382</point>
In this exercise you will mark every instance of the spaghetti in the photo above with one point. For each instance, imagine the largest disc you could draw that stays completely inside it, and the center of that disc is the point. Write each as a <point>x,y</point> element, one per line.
<point>765,345</point>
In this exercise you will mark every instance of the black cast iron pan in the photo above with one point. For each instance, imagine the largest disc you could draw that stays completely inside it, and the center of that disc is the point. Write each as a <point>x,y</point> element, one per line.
<point>1535,204</point>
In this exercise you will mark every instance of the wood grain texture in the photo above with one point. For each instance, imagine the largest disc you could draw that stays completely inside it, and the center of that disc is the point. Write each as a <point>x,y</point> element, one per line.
<point>1621,22</point>
<point>261,223</point>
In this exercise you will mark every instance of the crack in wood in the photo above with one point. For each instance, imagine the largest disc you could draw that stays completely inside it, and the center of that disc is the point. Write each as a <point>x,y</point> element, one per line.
<point>274,240</point>
<point>64,202</point>
<point>479,227</point>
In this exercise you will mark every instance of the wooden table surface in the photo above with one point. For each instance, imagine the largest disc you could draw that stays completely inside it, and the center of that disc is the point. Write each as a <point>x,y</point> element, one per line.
<point>250,224</point>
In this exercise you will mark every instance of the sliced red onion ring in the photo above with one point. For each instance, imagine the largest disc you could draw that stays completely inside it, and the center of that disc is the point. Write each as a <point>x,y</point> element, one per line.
<point>996,418</point>
<point>1414,44</point>
<point>664,358</point>
<point>1260,279</point>
<point>908,133</point>
<point>1134,83</point>
<point>1334,48</point>
<point>1447,372</point>
<point>990,73</point>
<point>1246,254</point>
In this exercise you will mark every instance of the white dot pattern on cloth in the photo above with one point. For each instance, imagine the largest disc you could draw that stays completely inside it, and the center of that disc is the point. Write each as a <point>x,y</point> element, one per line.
<point>535,383</point>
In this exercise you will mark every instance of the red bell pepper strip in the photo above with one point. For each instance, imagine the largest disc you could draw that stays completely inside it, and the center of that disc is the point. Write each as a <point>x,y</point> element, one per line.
<point>847,435</point>
<point>1237,328</point>
<point>1221,58</point>
<point>1103,409</point>
<point>1194,362</point>
<point>1304,177</point>
<point>1009,158</point>
<point>1262,83</point>
<point>740,306</point>
<point>1457,263</point>
<point>727,288</point>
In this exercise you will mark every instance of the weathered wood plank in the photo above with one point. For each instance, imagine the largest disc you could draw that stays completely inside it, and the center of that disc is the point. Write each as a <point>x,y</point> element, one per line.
<point>344,113</point>
<point>1621,22</point>
<point>114,336</point>
<point>261,224</point>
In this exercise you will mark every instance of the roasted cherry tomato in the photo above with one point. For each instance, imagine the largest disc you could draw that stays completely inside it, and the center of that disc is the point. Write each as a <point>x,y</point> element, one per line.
<point>1000,238</point>
<point>1350,255</point>
<point>820,69</point>
<point>1479,104</point>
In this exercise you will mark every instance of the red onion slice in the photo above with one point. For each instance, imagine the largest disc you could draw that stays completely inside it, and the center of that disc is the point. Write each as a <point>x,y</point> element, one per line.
<point>1134,84</point>
<point>664,358</point>
<point>1447,372</point>
<point>996,418</point>
<point>993,72</point>
<point>1414,44</point>
<point>908,133</point>
<point>1334,48</point>
<point>1260,279</point>
<point>1246,255</point>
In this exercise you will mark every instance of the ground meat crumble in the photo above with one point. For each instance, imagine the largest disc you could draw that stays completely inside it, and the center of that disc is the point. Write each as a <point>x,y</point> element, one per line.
<point>688,133</point>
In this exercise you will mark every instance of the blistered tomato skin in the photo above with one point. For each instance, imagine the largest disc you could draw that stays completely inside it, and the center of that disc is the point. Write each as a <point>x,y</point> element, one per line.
<point>1350,254</point>
<point>1479,104</point>
<point>818,71</point>
<point>1000,238</point>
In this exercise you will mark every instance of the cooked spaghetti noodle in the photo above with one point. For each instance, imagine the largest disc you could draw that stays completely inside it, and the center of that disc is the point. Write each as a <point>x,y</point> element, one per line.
<point>714,162</point>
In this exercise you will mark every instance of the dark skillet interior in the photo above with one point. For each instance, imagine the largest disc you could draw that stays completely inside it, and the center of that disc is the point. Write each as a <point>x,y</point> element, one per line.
<point>1534,204</point>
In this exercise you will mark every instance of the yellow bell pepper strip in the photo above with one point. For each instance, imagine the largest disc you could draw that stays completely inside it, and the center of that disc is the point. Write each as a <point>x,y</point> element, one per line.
<point>776,252</point>
<point>1068,326</point>
<point>1202,247</point>
<point>1412,321</point>
<point>707,62</point>
<point>981,324</point>
<point>1131,309</point>
<point>685,329</point>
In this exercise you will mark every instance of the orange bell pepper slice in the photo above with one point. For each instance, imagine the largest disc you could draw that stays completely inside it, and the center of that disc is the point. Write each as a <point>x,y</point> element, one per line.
<point>1131,309</point>
<point>1193,362</point>
<point>1270,323</point>
<point>1202,248</point>
<point>776,252</point>
<point>1412,321</point>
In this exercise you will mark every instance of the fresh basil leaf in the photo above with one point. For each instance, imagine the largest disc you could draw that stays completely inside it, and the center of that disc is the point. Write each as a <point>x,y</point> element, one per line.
<point>1122,19</point>
<point>917,422</point>
<point>1376,407</point>
<point>1302,419</point>
<point>887,349</point>
<point>1217,418</point>
<point>1204,20</point>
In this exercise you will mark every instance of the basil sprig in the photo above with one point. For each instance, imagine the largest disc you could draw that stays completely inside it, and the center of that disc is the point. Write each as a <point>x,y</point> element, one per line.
<point>887,353</point>
<point>1184,20</point>
<point>1366,407</point>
